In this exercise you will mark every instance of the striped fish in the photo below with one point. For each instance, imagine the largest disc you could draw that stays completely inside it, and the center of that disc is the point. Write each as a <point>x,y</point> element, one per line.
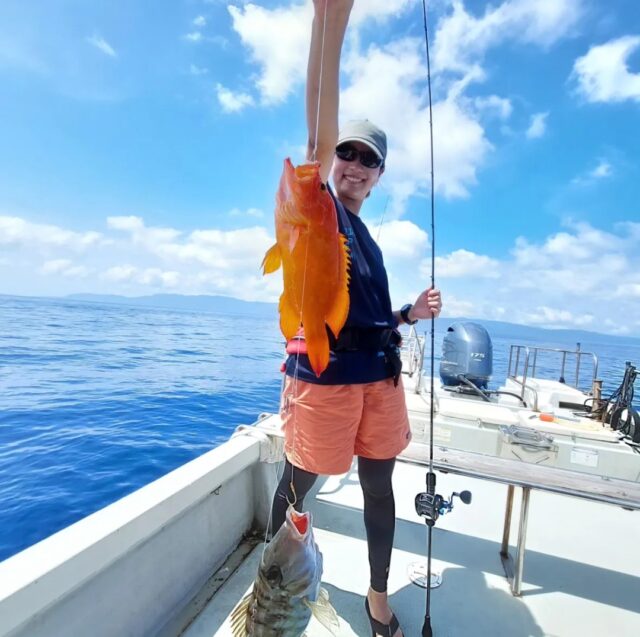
<point>287,591</point>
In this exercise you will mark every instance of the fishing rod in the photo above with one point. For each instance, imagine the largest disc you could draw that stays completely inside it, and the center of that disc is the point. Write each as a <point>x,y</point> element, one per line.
<point>429,504</point>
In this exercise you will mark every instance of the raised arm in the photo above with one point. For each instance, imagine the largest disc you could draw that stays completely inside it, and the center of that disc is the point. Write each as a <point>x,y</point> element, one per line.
<point>336,13</point>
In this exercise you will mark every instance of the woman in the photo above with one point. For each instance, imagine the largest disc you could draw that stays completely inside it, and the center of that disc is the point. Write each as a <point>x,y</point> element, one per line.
<point>356,406</point>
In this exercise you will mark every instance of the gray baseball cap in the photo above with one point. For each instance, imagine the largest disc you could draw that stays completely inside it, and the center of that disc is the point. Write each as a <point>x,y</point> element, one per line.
<point>362,130</point>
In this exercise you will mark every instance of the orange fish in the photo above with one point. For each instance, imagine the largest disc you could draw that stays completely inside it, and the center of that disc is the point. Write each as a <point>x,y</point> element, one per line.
<point>314,258</point>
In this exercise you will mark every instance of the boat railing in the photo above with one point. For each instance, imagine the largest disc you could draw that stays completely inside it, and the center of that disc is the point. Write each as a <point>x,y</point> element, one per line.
<point>529,358</point>
<point>412,352</point>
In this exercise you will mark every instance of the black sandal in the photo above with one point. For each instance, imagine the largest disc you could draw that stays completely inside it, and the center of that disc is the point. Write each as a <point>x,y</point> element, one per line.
<point>378,628</point>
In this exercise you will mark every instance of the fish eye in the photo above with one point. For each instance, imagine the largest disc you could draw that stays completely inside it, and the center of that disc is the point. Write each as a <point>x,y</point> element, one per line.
<point>274,574</point>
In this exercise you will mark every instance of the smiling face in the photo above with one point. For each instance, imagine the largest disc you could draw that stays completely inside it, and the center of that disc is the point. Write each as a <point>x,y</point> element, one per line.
<point>353,181</point>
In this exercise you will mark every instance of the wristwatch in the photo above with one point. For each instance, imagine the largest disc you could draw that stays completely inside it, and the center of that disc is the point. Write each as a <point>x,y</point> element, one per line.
<point>404,313</point>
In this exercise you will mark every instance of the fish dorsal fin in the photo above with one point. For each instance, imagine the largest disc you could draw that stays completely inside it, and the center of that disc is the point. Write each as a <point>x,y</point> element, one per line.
<point>324,612</point>
<point>238,617</point>
<point>272,259</point>
<point>338,314</point>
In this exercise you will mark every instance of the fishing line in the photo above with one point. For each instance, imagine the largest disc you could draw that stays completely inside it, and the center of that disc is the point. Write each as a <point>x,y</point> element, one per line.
<point>426,629</point>
<point>324,28</point>
<point>285,402</point>
<point>304,276</point>
<point>384,211</point>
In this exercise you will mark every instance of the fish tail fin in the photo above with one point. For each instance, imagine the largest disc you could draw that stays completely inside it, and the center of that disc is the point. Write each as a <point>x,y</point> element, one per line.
<point>238,617</point>
<point>324,612</point>
<point>315,333</point>
<point>337,316</point>
<point>272,259</point>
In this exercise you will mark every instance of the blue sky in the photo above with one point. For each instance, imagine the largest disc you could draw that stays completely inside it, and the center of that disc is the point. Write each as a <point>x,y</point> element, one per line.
<point>142,144</point>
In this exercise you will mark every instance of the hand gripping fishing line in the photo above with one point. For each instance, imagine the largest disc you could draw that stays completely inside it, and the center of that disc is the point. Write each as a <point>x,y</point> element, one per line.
<point>429,504</point>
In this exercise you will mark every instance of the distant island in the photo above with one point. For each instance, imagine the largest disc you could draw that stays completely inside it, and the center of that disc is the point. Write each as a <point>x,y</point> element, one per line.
<point>196,303</point>
<point>232,306</point>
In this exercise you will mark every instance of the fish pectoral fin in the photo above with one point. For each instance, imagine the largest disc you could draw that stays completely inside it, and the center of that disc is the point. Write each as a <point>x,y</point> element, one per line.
<point>291,215</point>
<point>339,311</point>
<point>238,617</point>
<point>324,612</point>
<point>293,237</point>
<point>272,259</point>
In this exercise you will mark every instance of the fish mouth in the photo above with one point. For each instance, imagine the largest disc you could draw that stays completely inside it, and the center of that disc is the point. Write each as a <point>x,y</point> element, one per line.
<point>303,172</point>
<point>301,522</point>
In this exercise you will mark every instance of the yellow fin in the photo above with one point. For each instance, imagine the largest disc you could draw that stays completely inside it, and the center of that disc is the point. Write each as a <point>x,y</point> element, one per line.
<point>324,612</point>
<point>238,617</point>
<point>289,318</point>
<point>340,309</point>
<point>272,259</point>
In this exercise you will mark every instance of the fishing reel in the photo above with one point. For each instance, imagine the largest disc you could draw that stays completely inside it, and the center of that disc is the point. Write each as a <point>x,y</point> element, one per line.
<point>431,505</point>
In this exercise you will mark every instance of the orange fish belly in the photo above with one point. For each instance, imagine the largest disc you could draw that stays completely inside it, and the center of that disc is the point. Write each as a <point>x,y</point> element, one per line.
<point>314,259</point>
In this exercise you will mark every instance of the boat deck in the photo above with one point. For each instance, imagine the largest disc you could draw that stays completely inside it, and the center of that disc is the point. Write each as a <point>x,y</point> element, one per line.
<point>581,575</point>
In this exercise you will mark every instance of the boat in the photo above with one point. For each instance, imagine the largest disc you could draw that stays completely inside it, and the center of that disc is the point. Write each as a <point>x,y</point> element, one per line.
<point>176,556</point>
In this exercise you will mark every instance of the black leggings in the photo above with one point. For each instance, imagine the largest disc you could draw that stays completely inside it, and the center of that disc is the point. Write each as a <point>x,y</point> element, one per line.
<point>379,509</point>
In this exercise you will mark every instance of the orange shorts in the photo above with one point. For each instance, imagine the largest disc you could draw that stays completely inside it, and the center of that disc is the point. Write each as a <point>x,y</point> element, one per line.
<point>326,425</point>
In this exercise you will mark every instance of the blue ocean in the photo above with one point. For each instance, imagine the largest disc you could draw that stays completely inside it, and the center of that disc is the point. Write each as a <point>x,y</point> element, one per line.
<point>97,400</point>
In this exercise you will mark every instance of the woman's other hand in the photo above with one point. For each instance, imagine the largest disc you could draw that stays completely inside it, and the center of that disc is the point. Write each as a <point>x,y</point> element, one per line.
<point>428,304</point>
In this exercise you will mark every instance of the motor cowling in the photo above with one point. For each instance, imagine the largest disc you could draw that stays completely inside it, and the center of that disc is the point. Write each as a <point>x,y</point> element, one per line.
<point>467,352</point>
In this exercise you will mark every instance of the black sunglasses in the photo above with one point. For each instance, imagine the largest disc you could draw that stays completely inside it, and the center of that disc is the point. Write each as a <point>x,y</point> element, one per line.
<point>368,158</point>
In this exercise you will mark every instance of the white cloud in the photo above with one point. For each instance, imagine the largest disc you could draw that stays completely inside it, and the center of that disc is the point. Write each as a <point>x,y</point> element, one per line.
<point>152,277</point>
<point>197,70</point>
<point>102,45</point>
<point>256,213</point>
<point>494,105</point>
<point>553,317</point>
<point>200,21</point>
<point>64,267</point>
<point>378,10</point>
<point>463,263</point>
<point>20,232</point>
<point>580,276</point>
<point>278,40</point>
<point>538,125</point>
<point>232,102</point>
<point>386,81</point>
<point>132,257</point>
<point>195,36</point>
<point>400,240</point>
<point>602,171</point>
<point>454,306</point>
<point>462,39</point>
<point>603,75</point>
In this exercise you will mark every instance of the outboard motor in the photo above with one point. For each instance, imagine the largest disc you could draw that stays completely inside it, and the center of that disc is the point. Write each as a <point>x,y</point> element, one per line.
<point>467,352</point>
